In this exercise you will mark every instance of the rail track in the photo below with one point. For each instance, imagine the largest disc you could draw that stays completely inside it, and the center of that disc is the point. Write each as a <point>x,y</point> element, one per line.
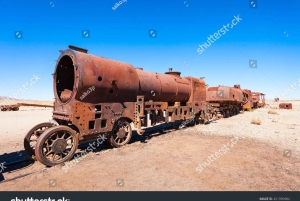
<point>163,128</point>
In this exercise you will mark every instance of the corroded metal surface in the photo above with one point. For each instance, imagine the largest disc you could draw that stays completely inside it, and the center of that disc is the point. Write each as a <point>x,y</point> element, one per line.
<point>224,93</point>
<point>17,106</point>
<point>286,106</point>
<point>34,105</point>
<point>92,93</point>
<point>169,87</point>
<point>9,107</point>
<point>248,99</point>
<point>258,99</point>
<point>95,95</point>
<point>225,100</point>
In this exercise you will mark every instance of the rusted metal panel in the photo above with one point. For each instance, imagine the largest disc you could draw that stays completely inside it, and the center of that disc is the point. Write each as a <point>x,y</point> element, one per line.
<point>255,97</point>
<point>248,99</point>
<point>286,106</point>
<point>258,99</point>
<point>95,95</point>
<point>169,87</point>
<point>91,118</point>
<point>198,92</point>
<point>106,80</point>
<point>225,101</point>
<point>224,93</point>
<point>83,83</point>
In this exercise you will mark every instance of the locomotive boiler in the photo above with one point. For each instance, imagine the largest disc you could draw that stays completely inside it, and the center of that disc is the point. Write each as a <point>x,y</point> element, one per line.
<point>95,95</point>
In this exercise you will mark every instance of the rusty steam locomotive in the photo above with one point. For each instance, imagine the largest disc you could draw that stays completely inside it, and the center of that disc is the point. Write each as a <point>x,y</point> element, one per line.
<point>96,95</point>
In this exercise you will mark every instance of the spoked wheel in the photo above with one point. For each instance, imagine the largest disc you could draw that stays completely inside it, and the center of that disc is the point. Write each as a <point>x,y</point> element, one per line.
<point>121,133</point>
<point>32,136</point>
<point>56,145</point>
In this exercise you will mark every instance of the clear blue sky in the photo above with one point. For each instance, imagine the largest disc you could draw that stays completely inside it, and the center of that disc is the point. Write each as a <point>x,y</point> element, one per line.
<point>269,33</point>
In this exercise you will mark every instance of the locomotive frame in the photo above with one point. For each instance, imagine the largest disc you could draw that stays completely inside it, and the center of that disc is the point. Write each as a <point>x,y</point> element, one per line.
<point>122,95</point>
<point>95,95</point>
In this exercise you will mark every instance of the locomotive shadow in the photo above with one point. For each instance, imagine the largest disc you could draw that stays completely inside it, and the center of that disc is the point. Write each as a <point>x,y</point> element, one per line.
<point>14,161</point>
<point>151,132</point>
<point>170,127</point>
<point>19,160</point>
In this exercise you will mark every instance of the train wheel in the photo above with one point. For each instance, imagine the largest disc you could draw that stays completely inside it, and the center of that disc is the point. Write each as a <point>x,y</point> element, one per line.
<point>32,136</point>
<point>233,111</point>
<point>227,113</point>
<point>214,116</point>
<point>121,133</point>
<point>56,145</point>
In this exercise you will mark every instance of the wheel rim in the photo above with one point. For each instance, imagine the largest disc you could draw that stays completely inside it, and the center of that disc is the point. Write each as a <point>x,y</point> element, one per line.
<point>56,145</point>
<point>32,136</point>
<point>121,133</point>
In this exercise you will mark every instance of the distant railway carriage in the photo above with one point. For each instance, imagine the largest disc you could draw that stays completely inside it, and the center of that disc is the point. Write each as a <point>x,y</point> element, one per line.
<point>226,100</point>
<point>258,99</point>
<point>9,107</point>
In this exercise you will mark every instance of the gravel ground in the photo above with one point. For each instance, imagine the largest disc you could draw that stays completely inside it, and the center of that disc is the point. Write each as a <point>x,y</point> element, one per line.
<point>229,154</point>
<point>281,130</point>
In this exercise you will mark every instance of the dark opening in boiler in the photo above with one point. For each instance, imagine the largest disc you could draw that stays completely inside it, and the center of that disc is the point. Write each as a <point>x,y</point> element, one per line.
<point>65,78</point>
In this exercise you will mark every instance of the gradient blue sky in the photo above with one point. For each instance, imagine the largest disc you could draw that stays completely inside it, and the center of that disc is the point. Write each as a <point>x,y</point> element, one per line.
<point>269,34</point>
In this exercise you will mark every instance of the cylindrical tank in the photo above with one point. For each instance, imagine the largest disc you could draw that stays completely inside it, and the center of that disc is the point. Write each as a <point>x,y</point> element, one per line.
<point>168,87</point>
<point>94,79</point>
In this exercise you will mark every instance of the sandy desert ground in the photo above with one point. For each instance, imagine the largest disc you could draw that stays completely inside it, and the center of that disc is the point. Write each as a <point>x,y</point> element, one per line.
<point>250,157</point>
